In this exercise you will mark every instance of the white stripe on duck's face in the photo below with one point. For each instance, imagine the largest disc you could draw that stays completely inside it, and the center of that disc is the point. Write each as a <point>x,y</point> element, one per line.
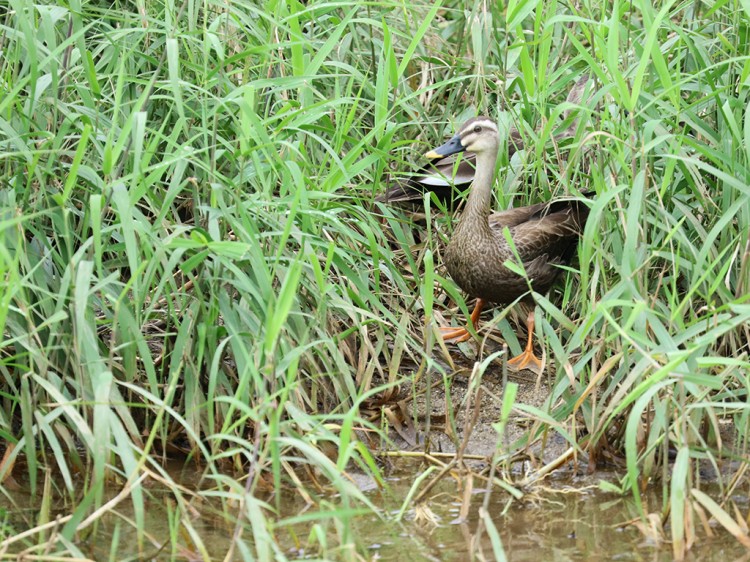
<point>479,134</point>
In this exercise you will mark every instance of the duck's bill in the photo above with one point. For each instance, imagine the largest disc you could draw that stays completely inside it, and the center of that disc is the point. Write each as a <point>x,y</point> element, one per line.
<point>453,146</point>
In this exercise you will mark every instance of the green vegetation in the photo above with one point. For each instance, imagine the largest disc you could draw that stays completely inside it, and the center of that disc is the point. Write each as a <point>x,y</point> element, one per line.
<point>191,263</point>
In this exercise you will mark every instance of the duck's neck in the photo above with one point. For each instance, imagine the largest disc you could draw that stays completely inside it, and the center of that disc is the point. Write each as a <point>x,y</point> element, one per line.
<point>478,205</point>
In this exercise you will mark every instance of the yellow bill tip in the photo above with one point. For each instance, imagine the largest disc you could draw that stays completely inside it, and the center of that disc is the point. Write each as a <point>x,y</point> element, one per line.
<point>432,155</point>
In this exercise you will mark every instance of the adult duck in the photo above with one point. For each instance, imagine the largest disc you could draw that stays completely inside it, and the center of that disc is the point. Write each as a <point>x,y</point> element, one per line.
<point>544,237</point>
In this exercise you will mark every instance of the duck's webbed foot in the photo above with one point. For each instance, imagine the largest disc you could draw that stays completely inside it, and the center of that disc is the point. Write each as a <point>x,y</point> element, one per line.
<point>458,335</point>
<point>527,360</point>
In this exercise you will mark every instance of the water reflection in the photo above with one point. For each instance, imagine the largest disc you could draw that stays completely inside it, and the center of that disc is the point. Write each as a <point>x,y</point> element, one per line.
<point>564,519</point>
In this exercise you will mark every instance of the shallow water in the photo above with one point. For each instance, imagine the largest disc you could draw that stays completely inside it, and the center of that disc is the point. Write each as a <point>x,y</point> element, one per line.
<point>566,518</point>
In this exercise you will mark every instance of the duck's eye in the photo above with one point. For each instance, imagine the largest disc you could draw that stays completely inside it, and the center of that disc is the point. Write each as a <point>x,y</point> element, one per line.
<point>477,129</point>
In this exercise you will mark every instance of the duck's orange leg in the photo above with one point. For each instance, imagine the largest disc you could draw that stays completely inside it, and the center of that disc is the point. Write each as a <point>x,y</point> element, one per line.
<point>462,334</point>
<point>527,359</point>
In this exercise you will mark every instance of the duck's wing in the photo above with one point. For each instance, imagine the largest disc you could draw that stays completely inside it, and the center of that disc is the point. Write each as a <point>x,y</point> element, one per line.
<point>441,177</point>
<point>545,236</point>
<point>514,217</point>
<point>550,229</point>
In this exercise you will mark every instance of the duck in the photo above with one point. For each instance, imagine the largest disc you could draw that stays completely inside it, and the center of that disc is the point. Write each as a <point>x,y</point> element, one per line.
<point>544,237</point>
<point>446,176</point>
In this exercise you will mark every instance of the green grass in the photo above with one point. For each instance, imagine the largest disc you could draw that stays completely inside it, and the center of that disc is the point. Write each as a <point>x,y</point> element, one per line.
<point>190,259</point>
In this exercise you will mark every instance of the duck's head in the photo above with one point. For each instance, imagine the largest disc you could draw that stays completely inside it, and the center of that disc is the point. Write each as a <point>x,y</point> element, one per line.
<point>476,135</point>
